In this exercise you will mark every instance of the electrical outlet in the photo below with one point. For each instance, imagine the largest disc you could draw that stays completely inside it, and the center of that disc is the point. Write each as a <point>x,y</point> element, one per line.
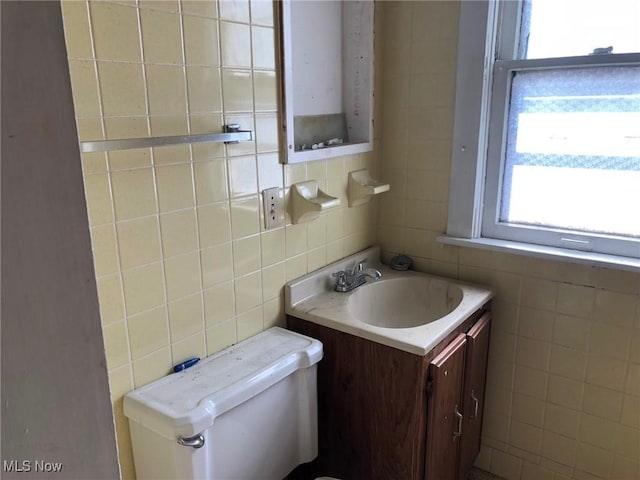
<point>272,209</point>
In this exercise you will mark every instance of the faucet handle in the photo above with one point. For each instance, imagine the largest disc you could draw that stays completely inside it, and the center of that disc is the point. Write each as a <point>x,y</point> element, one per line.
<point>341,278</point>
<point>360,266</point>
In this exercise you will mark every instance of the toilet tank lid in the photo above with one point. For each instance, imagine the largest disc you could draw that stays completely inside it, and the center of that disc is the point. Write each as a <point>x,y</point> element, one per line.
<point>188,402</point>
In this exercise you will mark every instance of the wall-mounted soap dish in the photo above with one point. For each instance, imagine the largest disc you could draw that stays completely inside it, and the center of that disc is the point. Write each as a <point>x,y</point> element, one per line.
<point>362,187</point>
<point>308,201</point>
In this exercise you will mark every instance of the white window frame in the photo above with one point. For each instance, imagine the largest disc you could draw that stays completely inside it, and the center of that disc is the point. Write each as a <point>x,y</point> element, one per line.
<point>478,138</point>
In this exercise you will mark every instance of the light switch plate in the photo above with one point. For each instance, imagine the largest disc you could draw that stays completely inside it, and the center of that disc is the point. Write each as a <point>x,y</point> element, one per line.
<point>272,207</point>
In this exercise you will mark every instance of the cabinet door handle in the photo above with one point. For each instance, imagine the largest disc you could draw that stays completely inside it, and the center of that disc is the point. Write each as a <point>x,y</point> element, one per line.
<point>460,418</point>
<point>475,408</point>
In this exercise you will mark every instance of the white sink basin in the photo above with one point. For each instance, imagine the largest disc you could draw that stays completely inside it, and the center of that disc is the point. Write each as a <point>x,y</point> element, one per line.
<point>404,302</point>
<point>408,310</point>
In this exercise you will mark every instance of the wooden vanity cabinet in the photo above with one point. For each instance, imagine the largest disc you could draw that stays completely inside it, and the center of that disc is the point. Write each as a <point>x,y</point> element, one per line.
<point>391,415</point>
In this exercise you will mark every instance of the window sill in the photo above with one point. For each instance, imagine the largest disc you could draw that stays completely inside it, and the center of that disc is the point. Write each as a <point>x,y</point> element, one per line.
<point>550,253</point>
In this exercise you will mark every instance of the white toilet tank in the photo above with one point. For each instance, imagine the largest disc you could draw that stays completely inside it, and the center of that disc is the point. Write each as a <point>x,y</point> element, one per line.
<point>253,406</point>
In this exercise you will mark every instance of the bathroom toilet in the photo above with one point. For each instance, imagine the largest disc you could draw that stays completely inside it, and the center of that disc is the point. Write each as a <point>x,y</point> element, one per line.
<point>248,413</point>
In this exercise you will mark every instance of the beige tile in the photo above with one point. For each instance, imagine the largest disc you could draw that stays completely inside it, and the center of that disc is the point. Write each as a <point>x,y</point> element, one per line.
<point>183,275</point>
<point>245,216</point>
<point>115,32</point>
<point>249,323</point>
<point>316,258</point>
<point>296,267</point>
<point>200,8</point>
<point>617,281</point>
<point>632,385</point>
<point>235,10</point>
<point>263,42</point>
<point>634,355</point>
<point>531,471</point>
<point>247,122</point>
<point>89,129</point>
<point>133,193</point>
<point>606,372</point>
<point>139,242</point>
<point>161,37</point>
<point>179,233</point>
<point>535,324</point>
<point>273,246</point>
<point>84,88</point>
<point>122,89</point>
<point>631,411</point>
<point>627,442</point>
<point>506,465</point>
<point>151,367</point>
<point>166,90</point>
<point>529,381</point>
<point>528,410</point>
<point>169,125</point>
<point>495,427</point>
<point>129,159</point>
<point>243,176</point>
<point>602,402</point>
<point>169,5</point>
<point>190,347</point>
<point>267,134</point>
<point>217,264</point>
<point>93,162</point>
<point>558,448</point>
<point>235,41</point>
<point>565,392</point>
<point>186,317</point>
<point>568,362</point>
<point>117,128</point>
<point>110,298</point>
<point>211,181</point>
<point>201,41</point>
<point>561,420</point>
<point>265,91</point>
<point>205,89</point>
<point>273,280</point>
<point>273,313</point>
<point>624,468</point>
<point>532,353</point>
<point>248,292</point>
<point>269,171</point>
<point>525,437</point>
<point>219,304</point>
<point>120,382</point>
<point>296,239</point>
<point>246,255</point>
<point>76,29</point>
<point>116,344</point>
<point>221,336</point>
<point>143,288</point>
<point>237,93</point>
<point>98,194</point>
<point>539,293</point>
<point>597,431</point>
<point>575,300</point>
<point>334,251</point>
<point>609,340</point>
<point>594,460</point>
<point>175,187</point>
<point>105,256</point>
<point>615,308</point>
<point>262,12</point>
<point>148,332</point>
<point>214,224</point>
<point>572,332</point>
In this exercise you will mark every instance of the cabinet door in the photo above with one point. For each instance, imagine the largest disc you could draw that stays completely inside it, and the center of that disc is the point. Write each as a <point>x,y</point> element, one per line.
<point>444,422</point>
<point>473,399</point>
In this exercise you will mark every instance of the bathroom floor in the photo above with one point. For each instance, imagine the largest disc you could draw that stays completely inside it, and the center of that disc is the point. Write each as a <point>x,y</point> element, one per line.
<point>477,474</point>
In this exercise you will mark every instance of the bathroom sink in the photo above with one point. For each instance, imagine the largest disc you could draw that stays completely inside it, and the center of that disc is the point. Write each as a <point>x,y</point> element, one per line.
<point>407,310</point>
<point>404,302</point>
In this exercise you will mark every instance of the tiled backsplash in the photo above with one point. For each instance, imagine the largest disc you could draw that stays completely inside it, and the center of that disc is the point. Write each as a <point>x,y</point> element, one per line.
<point>563,393</point>
<point>183,263</point>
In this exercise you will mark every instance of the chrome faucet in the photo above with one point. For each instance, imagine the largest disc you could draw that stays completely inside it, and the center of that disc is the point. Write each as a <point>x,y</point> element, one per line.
<point>347,280</point>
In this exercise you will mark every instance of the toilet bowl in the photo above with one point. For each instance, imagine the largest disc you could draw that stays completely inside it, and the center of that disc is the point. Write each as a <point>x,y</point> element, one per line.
<point>247,412</point>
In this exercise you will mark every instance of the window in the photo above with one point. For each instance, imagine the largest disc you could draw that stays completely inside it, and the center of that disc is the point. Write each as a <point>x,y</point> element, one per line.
<point>547,129</point>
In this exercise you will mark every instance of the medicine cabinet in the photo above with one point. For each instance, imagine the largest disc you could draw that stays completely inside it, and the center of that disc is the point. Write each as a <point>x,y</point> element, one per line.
<point>327,78</point>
